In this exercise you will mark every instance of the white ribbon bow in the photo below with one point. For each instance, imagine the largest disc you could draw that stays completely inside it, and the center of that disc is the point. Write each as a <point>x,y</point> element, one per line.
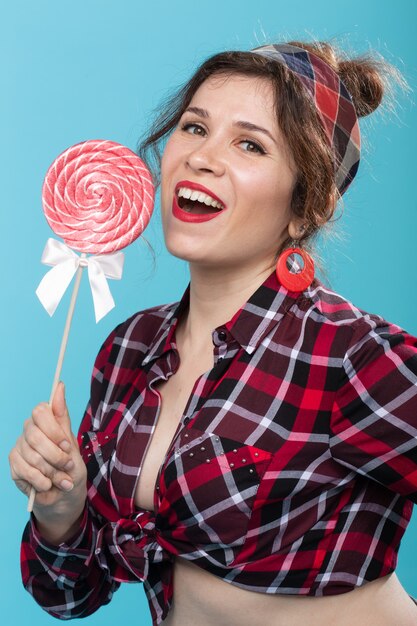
<point>65,263</point>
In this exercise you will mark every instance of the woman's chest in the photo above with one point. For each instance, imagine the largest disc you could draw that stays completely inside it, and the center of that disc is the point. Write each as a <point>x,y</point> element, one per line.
<point>173,396</point>
<point>197,444</point>
<point>173,392</point>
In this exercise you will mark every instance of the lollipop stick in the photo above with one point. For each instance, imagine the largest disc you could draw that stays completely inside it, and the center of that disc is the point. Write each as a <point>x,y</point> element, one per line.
<point>61,355</point>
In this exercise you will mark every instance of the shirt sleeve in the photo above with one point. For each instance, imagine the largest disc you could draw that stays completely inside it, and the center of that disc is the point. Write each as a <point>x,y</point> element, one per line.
<point>374,418</point>
<point>66,580</point>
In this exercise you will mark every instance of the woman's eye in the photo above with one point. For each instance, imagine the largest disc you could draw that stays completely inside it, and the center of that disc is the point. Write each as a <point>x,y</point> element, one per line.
<point>252,146</point>
<point>193,129</point>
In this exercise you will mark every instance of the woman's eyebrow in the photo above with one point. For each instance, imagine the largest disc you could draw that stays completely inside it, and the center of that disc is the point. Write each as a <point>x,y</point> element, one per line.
<point>251,127</point>
<point>241,124</point>
<point>197,111</point>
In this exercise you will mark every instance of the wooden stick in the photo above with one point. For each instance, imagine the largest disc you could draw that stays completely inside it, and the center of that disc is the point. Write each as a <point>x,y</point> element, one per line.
<point>61,355</point>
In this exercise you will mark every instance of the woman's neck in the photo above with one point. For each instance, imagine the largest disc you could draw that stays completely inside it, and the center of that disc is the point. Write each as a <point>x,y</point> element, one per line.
<point>214,298</point>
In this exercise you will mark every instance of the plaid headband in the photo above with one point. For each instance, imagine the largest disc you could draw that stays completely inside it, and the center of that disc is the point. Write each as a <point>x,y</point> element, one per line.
<point>332,101</point>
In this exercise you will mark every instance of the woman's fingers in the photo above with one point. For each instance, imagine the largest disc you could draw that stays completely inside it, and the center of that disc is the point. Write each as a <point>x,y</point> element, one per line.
<point>44,418</point>
<point>47,444</point>
<point>39,475</point>
<point>47,457</point>
<point>23,473</point>
<point>49,433</point>
<point>35,459</point>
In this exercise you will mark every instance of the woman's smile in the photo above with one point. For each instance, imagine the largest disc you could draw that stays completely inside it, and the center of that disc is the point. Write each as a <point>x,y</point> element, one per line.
<point>194,203</point>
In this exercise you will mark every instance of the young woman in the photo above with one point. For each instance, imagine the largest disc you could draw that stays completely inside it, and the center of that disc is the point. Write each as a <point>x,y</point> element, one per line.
<point>248,453</point>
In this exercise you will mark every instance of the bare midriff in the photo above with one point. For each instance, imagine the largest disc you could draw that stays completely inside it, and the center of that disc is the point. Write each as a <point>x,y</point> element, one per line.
<point>203,599</point>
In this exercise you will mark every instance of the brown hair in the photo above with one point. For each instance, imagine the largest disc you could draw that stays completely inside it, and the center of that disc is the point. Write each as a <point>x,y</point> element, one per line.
<point>315,194</point>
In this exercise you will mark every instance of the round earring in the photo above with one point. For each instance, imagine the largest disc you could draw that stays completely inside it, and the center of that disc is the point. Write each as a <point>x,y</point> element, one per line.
<point>295,281</point>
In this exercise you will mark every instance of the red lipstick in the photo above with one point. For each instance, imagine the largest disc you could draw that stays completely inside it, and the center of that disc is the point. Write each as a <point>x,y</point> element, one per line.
<point>197,187</point>
<point>186,216</point>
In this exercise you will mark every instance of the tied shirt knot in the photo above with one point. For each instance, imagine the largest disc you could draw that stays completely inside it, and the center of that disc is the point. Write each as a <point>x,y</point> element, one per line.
<point>128,547</point>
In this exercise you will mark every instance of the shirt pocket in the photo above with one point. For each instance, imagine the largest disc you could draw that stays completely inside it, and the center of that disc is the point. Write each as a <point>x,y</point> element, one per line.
<point>209,485</point>
<point>97,450</point>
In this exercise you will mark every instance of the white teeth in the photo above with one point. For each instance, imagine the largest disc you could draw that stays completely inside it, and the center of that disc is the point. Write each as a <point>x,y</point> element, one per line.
<point>190,194</point>
<point>185,193</point>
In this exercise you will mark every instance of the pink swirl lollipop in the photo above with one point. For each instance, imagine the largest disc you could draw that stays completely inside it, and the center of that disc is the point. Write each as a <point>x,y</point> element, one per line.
<point>98,196</point>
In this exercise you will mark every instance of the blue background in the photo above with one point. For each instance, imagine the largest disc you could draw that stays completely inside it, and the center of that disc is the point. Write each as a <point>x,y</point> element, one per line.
<point>83,69</point>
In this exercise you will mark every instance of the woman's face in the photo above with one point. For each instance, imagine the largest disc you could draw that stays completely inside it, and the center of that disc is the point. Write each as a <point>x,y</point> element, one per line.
<point>229,152</point>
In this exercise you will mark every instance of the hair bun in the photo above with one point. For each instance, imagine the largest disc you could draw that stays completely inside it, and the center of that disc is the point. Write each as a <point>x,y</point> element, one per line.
<point>363,80</point>
<point>365,77</point>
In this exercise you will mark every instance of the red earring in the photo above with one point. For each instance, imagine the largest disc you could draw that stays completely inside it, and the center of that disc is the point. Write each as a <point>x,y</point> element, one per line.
<point>295,281</point>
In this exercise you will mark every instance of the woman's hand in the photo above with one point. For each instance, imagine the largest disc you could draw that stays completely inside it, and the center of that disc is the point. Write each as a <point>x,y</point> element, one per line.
<point>47,457</point>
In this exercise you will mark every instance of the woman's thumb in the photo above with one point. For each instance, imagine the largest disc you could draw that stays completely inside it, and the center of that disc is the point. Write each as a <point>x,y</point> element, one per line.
<point>59,406</point>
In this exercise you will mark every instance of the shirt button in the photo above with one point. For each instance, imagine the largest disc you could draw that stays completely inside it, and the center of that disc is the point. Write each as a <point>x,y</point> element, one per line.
<point>186,420</point>
<point>222,335</point>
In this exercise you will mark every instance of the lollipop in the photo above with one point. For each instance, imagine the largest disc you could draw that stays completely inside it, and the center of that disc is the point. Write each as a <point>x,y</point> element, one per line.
<point>98,196</point>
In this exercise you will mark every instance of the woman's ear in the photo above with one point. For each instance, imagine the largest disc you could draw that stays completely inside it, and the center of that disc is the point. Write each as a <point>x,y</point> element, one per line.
<point>296,228</point>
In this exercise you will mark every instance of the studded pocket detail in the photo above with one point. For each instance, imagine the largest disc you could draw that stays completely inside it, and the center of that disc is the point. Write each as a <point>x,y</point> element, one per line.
<point>96,449</point>
<point>209,484</point>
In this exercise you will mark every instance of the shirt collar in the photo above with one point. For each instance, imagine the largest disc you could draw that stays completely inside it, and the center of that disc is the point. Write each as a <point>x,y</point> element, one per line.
<point>264,310</point>
<point>250,324</point>
<point>164,339</point>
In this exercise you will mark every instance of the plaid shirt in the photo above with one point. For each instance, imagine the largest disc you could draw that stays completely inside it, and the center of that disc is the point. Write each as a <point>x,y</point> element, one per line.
<point>292,470</point>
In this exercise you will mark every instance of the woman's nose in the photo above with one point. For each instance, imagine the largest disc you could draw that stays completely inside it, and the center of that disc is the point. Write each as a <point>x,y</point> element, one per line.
<point>208,157</point>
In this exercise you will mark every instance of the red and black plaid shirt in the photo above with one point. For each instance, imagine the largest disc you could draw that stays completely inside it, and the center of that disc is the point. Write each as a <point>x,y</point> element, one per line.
<point>292,470</point>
